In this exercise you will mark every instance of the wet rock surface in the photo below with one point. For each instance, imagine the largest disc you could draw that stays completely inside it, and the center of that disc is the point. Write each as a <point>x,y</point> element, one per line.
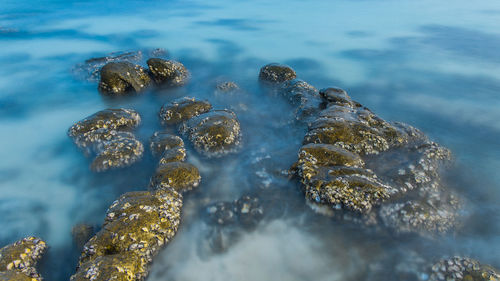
<point>81,233</point>
<point>182,109</point>
<point>106,134</point>
<point>162,141</point>
<point>463,268</point>
<point>352,160</point>
<point>119,78</point>
<point>137,225</point>
<point>303,96</point>
<point>213,134</point>
<point>18,260</point>
<point>274,73</point>
<point>168,72</point>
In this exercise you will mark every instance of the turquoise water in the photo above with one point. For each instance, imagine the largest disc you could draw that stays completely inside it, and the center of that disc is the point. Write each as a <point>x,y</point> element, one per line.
<point>434,65</point>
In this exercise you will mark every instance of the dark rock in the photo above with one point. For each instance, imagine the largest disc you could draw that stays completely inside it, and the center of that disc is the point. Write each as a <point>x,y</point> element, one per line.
<point>182,109</point>
<point>162,141</point>
<point>215,133</point>
<point>168,72</point>
<point>119,78</point>
<point>275,73</point>
<point>81,233</point>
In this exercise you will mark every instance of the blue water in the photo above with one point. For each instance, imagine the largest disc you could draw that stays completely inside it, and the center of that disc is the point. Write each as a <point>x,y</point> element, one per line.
<point>434,65</point>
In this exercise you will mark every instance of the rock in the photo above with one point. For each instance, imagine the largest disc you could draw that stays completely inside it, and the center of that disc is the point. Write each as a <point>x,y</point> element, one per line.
<point>177,175</point>
<point>249,210</point>
<point>127,266</point>
<point>103,125</point>
<point>463,268</point>
<point>168,72</point>
<point>161,141</point>
<point>137,225</point>
<point>177,154</point>
<point>18,260</point>
<point>302,95</point>
<point>221,213</point>
<point>388,173</point>
<point>275,73</point>
<point>90,69</point>
<point>119,78</point>
<point>182,109</point>
<point>337,96</point>
<point>227,87</point>
<point>118,152</point>
<point>81,233</point>
<point>107,135</point>
<point>213,134</point>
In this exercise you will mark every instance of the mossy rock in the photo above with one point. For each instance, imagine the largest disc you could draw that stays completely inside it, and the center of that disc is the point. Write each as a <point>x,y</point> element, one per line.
<point>275,73</point>
<point>227,87</point>
<point>81,233</point>
<point>18,260</point>
<point>168,72</point>
<point>118,78</point>
<point>176,175</point>
<point>328,155</point>
<point>182,109</point>
<point>12,275</point>
<point>120,267</point>
<point>337,96</point>
<point>162,141</point>
<point>215,133</point>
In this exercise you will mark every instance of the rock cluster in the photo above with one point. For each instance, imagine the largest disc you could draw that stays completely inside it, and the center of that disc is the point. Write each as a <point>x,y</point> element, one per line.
<point>123,77</point>
<point>463,268</point>
<point>139,223</point>
<point>107,135</point>
<point>18,260</point>
<point>213,133</point>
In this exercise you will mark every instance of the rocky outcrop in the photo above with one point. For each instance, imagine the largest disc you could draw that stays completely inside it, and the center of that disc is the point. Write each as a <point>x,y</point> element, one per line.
<point>18,260</point>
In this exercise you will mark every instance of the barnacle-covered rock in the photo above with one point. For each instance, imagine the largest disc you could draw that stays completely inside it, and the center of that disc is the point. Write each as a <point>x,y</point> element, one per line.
<point>275,73</point>
<point>302,95</point>
<point>249,210</point>
<point>463,268</point>
<point>386,172</point>
<point>221,213</point>
<point>107,135</point>
<point>18,260</point>
<point>215,133</point>
<point>177,154</point>
<point>182,109</point>
<point>123,77</point>
<point>121,267</point>
<point>168,72</point>
<point>177,175</point>
<point>103,125</point>
<point>162,141</point>
<point>135,228</point>
<point>118,152</point>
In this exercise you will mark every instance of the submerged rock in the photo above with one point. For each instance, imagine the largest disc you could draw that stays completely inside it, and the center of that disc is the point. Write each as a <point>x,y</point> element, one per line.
<point>177,154</point>
<point>353,160</point>
<point>107,135</point>
<point>168,72</point>
<point>227,87</point>
<point>81,233</point>
<point>182,109</point>
<point>162,141</point>
<point>137,225</point>
<point>18,260</point>
<point>123,77</point>
<point>215,133</point>
<point>176,175</point>
<point>463,268</point>
<point>275,73</point>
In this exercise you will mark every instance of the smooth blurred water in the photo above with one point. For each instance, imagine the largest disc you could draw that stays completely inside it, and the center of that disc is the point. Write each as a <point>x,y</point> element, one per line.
<point>434,65</point>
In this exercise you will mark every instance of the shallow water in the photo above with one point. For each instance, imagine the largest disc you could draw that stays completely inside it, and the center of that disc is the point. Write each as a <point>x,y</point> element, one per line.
<point>432,65</point>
